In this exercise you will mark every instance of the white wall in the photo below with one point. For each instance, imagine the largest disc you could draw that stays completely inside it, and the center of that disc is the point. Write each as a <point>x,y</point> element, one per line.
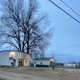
<point>19,55</point>
<point>44,62</point>
<point>4,58</point>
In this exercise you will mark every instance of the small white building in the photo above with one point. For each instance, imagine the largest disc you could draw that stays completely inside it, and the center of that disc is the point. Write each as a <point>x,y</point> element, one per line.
<point>20,58</point>
<point>44,62</point>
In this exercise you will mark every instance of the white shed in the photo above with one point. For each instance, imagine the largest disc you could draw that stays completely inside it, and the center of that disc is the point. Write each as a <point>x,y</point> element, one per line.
<point>20,59</point>
<point>44,62</point>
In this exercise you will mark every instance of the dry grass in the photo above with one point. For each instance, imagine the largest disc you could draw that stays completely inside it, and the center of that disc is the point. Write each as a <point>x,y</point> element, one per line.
<point>56,74</point>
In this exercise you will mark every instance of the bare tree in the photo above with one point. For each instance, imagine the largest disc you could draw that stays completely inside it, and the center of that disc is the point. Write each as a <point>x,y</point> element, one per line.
<point>24,27</point>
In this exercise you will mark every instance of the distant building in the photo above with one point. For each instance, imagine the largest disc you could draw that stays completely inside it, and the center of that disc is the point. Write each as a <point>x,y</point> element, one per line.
<point>44,62</point>
<point>19,58</point>
<point>78,65</point>
<point>70,65</point>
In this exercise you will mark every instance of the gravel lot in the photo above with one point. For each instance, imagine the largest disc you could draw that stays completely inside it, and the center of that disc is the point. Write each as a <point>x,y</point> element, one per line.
<point>28,73</point>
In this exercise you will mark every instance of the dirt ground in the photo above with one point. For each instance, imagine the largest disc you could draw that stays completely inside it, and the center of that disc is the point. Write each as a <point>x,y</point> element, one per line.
<point>28,73</point>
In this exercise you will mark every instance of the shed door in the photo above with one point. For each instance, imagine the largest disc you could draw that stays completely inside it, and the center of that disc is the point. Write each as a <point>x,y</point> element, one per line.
<point>51,63</point>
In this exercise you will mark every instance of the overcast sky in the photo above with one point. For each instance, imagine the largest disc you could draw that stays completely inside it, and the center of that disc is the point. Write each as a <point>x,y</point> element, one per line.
<point>65,44</point>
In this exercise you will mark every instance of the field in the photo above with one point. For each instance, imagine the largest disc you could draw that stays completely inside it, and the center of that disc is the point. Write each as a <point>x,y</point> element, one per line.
<point>29,73</point>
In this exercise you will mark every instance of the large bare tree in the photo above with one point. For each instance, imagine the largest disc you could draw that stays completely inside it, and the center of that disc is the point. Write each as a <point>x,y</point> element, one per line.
<point>24,27</point>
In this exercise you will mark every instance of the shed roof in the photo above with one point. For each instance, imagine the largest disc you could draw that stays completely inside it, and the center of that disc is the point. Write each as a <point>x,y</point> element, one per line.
<point>43,58</point>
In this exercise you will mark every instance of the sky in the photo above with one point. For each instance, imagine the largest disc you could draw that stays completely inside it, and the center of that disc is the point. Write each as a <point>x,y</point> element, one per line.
<point>65,43</point>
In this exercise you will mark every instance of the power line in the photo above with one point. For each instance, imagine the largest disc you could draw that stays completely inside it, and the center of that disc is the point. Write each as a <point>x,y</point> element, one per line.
<point>70,8</point>
<point>67,47</point>
<point>65,11</point>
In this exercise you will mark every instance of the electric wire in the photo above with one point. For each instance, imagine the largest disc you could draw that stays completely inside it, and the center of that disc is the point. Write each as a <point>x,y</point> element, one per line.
<point>65,11</point>
<point>67,47</point>
<point>70,8</point>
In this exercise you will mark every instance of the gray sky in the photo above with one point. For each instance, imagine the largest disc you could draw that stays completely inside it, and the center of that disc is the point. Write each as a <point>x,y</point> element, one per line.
<point>65,44</point>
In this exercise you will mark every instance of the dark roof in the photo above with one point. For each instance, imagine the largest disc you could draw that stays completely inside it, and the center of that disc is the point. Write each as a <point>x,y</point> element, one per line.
<point>12,50</point>
<point>8,50</point>
<point>42,59</point>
